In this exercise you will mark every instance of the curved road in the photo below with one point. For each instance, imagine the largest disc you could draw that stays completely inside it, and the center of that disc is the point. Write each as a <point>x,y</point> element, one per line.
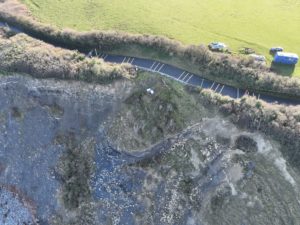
<point>183,76</point>
<point>190,78</point>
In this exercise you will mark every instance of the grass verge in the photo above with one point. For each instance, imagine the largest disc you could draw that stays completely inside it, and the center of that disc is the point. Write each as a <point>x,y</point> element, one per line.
<point>231,70</point>
<point>249,23</point>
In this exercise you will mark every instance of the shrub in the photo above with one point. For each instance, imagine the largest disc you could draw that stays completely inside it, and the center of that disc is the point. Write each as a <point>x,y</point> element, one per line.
<point>23,54</point>
<point>241,72</point>
<point>277,121</point>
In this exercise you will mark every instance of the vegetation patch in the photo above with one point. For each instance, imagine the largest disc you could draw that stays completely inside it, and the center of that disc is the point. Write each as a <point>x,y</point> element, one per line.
<point>280,122</point>
<point>16,113</point>
<point>233,70</point>
<point>56,110</point>
<point>21,53</point>
<point>246,144</point>
<point>147,118</point>
<point>75,170</point>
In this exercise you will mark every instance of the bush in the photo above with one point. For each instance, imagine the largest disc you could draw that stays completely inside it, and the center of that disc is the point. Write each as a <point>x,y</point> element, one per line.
<point>277,121</point>
<point>241,72</point>
<point>23,54</point>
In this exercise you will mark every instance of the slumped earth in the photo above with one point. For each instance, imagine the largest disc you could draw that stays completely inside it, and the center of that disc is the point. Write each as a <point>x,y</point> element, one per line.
<point>62,160</point>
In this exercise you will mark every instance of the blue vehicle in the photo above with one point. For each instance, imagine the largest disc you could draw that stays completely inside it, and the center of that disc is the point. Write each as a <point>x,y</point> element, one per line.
<point>286,58</point>
<point>276,49</point>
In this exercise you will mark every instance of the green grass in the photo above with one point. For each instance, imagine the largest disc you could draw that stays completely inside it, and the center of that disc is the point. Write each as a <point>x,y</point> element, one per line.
<point>259,24</point>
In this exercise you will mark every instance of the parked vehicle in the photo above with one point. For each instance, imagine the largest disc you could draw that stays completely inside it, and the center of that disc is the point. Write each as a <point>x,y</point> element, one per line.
<point>150,91</point>
<point>218,46</point>
<point>276,49</point>
<point>286,58</point>
<point>247,51</point>
<point>259,58</point>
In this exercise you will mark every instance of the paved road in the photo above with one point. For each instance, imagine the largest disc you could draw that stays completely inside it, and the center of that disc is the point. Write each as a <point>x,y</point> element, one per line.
<point>184,76</point>
<point>190,78</point>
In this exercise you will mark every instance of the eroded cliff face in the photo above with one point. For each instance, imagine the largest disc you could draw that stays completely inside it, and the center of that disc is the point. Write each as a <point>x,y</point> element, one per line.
<point>74,153</point>
<point>42,122</point>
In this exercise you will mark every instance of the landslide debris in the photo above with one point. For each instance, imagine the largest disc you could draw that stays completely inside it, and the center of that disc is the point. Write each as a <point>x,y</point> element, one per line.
<point>57,147</point>
<point>117,154</point>
<point>48,133</point>
<point>147,118</point>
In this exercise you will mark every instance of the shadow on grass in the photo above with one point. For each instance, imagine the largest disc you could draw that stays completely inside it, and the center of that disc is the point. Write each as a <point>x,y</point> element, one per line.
<point>282,69</point>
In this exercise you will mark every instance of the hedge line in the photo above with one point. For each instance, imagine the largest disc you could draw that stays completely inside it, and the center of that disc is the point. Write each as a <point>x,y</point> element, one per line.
<point>241,72</point>
<point>280,122</point>
<point>23,54</point>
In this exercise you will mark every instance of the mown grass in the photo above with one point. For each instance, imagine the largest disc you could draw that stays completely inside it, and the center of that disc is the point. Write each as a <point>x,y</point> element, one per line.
<point>258,24</point>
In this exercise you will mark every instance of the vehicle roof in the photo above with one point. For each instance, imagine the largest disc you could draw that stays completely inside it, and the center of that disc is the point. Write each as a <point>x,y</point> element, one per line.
<point>287,54</point>
<point>257,56</point>
<point>218,43</point>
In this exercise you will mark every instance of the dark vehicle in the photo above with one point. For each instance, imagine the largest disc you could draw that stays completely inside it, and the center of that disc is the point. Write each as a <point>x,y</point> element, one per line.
<point>276,49</point>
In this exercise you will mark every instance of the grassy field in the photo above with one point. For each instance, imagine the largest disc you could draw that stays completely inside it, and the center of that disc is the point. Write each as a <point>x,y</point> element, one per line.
<point>259,24</point>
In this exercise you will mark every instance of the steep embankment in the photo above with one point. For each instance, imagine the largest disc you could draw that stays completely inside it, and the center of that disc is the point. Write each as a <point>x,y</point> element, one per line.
<point>149,117</point>
<point>78,153</point>
<point>189,164</point>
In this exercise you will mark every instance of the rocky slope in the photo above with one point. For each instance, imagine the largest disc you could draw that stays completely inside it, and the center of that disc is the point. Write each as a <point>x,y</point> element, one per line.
<point>77,153</point>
